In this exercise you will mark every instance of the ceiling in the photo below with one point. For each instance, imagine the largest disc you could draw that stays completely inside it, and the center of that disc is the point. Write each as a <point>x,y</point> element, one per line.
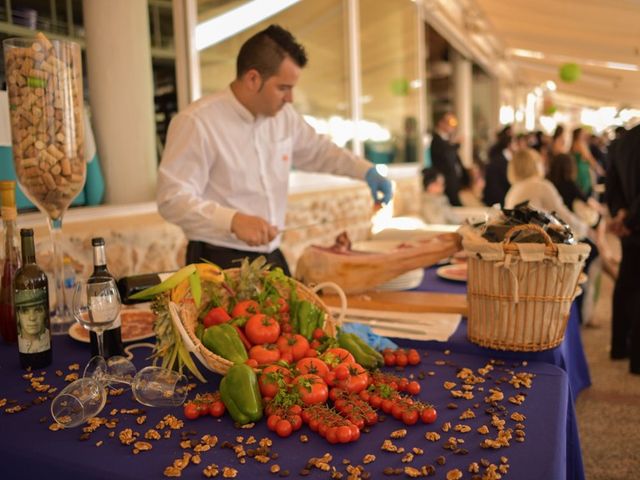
<point>589,33</point>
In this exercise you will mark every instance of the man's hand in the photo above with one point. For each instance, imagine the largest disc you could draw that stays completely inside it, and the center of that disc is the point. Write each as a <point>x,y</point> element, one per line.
<point>379,185</point>
<point>617,226</point>
<point>252,230</point>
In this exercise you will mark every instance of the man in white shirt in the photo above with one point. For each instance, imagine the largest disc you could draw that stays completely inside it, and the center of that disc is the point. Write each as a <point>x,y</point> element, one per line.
<point>224,174</point>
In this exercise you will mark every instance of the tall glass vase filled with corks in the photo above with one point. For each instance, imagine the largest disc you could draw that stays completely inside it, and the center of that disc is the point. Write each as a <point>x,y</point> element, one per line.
<point>44,84</point>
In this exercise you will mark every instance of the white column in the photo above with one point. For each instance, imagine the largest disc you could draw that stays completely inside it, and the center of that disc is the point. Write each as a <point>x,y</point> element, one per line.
<point>120,79</point>
<point>185,19</point>
<point>462,71</point>
<point>494,112</point>
<point>355,70</point>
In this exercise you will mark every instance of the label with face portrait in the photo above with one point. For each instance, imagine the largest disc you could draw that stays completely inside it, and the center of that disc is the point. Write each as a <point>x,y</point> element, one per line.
<point>32,315</point>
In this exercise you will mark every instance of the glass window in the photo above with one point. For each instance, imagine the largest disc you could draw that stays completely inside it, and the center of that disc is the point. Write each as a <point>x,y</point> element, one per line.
<point>390,80</point>
<point>320,25</point>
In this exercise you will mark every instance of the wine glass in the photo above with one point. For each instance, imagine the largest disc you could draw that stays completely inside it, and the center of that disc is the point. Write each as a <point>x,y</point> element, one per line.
<point>79,401</point>
<point>96,304</point>
<point>46,107</point>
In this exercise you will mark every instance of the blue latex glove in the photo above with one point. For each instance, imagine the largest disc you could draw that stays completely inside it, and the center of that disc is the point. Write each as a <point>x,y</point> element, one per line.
<point>372,339</point>
<point>379,184</point>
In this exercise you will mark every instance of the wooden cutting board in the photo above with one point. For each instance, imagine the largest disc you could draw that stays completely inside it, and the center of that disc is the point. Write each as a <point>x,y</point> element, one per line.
<point>404,301</point>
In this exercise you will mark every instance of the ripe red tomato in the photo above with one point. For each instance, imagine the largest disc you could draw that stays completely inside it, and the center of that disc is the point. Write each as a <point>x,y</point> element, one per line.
<point>245,308</point>
<point>296,344</point>
<point>413,388</point>
<point>265,354</point>
<point>216,316</point>
<point>217,408</point>
<point>344,434</point>
<point>410,417</point>
<point>262,329</point>
<point>271,378</point>
<point>191,411</point>
<point>336,356</point>
<point>284,428</point>
<point>401,359</point>
<point>272,421</point>
<point>389,359</point>
<point>413,357</point>
<point>296,422</point>
<point>283,304</point>
<point>429,415</point>
<point>352,377</point>
<point>314,366</point>
<point>311,389</point>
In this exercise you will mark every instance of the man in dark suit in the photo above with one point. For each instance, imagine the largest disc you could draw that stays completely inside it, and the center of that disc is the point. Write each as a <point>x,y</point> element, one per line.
<point>496,183</point>
<point>623,197</point>
<point>444,156</point>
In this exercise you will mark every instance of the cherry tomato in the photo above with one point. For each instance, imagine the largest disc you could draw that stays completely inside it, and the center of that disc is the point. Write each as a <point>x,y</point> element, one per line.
<point>272,421</point>
<point>355,433</point>
<point>344,434</point>
<point>318,334</point>
<point>386,405</point>
<point>265,354</point>
<point>191,411</point>
<point>413,357</point>
<point>284,428</point>
<point>389,359</point>
<point>332,435</point>
<point>311,389</point>
<point>342,372</point>
<point>216,316</point>
<point>283,305</point>
<point>356,380</point>
<point>375,401</point>
<point>217,408</point>
<point>410,417</point>
<point>295,410</point>
<point>401,359</point>
<point>296,344</point>
<point>429,415</point>
<point>203,408</point>
<point>413,388</point>
<point>296,422</point>
<point>262,329</point>
<point>245,308</point>
<point>397,410</point>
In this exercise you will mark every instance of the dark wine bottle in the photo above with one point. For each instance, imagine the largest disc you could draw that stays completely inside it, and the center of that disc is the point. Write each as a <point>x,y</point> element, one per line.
<point>113,336</point>
<point>31,300</point>
<point>8,326</point>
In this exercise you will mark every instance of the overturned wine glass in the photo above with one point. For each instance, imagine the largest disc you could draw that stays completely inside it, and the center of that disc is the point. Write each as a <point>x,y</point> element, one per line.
<point>85,398</point>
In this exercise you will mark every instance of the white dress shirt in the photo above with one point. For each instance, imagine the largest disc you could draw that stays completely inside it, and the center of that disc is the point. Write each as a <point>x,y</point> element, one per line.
<point>219,159</point>
<point>543,195</point>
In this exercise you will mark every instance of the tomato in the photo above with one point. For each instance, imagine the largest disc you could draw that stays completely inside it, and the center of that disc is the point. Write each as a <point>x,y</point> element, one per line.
<point>355,433</point>
<point>295,410</point>
<point>311,389</point>
<point>251,362</point>
<point>410,417</point>
<point>429,415</point>
<point>262,329</point>
<point>217,408</point>
<point>356,379</point>
<point>413,357</point>
<point>413,388</point>
<point>296,344</point>
<point>203,408</point>
<point>272,421</point>
<point>216,316</point>
<point>332,435</point>
<point>401,359</point>
<point>265,354</point>
<point>344,434</point>
<point>314,366</point>
<point>402,384</point>
<point>397,410</point>
<point>386,405</point>
<point>296,422</point>
<point>245,308</point>
<point>318,334</point>
<point>284,428</point>
<point>191,411</point>
<point>283,305</point>
<point>389,359</point>
<point>375,401</point>
<point>271,378</point>
<point>311,353</point>
<point>336,356</point>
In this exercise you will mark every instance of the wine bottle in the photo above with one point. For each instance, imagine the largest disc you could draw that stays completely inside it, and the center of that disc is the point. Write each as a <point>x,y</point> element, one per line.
<point>8,326</point>
<point>31,300</point>
<point>112,336</point>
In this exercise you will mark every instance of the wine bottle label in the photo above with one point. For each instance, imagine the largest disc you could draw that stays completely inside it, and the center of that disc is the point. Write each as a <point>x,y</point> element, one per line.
<point>32,315</point>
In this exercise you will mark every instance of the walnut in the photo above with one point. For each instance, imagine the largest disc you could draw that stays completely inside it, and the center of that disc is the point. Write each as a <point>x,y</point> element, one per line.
<point>483,430</point>
<point>518,417</point>
<point>449,385</point>
<point>454,474</point>
<point>211,470</point>
<point>399,433</point>
<point>467,414</point>
<point>368,458</point>
<point>432,436</point>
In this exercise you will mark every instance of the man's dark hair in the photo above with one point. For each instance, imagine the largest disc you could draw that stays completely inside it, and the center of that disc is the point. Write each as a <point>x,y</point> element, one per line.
<point>265,51</point>
<point>429,175</point>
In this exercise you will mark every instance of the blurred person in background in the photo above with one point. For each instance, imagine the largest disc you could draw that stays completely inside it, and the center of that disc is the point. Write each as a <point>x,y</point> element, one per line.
<point>587,167</point>
<point>558,141</point>
<point>435,207</point>
<point>496,184</point>
<point>623,197</point>
<point>445,158</point>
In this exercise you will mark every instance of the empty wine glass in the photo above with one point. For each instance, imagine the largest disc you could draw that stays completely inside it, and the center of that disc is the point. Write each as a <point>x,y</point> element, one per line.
<point>96,304</point>
<point>78,402</point>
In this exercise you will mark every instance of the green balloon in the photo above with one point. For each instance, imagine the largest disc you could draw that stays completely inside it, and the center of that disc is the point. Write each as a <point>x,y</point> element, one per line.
<point>570,72</point>
<point>400,87</point>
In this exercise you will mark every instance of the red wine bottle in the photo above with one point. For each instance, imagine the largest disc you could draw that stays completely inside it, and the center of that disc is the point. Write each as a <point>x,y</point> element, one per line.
<point>8,326</point>
<point>113,336</point>
<point>31,300</point>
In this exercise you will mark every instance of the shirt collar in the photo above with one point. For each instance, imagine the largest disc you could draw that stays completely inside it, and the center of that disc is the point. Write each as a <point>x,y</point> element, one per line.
<point>238,107</point>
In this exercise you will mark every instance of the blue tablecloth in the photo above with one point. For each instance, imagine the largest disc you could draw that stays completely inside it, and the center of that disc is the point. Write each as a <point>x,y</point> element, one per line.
<point>569,355</point>
<point>28,449</point>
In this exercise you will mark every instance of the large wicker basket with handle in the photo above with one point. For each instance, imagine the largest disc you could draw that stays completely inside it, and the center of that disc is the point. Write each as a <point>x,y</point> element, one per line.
<point>520,294</point>
<point>185,318</point>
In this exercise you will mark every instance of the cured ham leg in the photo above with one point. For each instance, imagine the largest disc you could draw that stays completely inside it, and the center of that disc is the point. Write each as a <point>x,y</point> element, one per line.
<point>357,271</point>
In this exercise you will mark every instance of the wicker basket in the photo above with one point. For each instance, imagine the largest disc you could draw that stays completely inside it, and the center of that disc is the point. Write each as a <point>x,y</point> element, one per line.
<point>185,318</point>
<point>520,295</point>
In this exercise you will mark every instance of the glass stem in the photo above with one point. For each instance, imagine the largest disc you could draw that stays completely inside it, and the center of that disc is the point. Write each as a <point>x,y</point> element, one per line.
<point>100,339</point>
<point>59,315</point>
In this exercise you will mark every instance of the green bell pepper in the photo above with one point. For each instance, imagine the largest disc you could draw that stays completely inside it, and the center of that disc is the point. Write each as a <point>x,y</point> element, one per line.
<point>241,395</point>
<point>224,340</point>
<point>365,355</point>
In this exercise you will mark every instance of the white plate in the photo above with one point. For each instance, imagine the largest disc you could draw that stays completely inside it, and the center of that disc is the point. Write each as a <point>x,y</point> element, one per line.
<point>456,272</point>
<point>406,281</point>
<point>137,324</point>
